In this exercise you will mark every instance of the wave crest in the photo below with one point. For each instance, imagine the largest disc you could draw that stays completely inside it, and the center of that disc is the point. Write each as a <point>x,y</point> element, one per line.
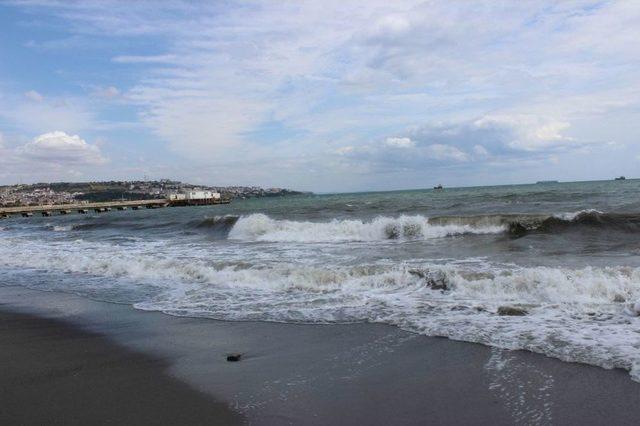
<point>260,227</point>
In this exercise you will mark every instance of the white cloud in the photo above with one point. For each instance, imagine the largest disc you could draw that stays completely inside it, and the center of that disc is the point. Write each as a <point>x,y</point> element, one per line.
<point>144,59</point>
<point>437,151</point>
<point>60,148</point>
<point>34,96</point>
<point>51,156</point>
<point>445,152</point>
<point>73,114</point>
<point>390,25</point>
<point>480,150</point>
<point>532,133</point>
<point>400,154</point>
<point>540,81</point>
<point>344,150</point>
<point>489,140</point>
<point>400,142</point>
<point>107,92</point>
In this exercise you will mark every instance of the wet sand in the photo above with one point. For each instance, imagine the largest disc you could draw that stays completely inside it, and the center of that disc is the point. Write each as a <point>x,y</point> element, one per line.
<point>289,374</point>
<point>54,373</point>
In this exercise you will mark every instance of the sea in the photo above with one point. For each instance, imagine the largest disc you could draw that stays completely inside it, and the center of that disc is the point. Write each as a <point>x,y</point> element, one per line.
<point>552,268</point>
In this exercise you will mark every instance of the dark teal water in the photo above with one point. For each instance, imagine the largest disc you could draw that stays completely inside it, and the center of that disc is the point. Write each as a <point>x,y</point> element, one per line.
<point>433,262</point>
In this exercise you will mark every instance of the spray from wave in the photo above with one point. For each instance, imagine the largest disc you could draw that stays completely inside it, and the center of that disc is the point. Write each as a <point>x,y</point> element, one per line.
<point>259,227</point>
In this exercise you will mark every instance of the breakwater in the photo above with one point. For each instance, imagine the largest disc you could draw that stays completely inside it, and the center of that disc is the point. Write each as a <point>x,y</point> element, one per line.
<point>101,207</point>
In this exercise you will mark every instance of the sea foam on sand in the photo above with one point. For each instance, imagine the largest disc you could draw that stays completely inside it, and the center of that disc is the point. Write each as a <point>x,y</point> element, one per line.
<point>573,314</point>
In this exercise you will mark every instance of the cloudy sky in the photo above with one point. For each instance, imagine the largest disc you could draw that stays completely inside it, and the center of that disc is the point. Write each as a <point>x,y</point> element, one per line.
<point>322,96</point>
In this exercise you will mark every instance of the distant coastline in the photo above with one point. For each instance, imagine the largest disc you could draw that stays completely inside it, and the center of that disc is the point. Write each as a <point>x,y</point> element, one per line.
<point>453,187</point>
<point>104,191</point>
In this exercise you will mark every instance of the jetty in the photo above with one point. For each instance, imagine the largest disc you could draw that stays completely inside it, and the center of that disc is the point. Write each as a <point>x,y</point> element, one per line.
<point>103,207</point>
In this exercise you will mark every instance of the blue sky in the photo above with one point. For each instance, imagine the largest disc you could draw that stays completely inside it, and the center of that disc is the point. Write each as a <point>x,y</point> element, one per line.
<point>321,96</point>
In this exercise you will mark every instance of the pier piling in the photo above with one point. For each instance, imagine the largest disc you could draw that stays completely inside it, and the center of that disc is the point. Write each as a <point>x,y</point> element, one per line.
<point>101,207</point>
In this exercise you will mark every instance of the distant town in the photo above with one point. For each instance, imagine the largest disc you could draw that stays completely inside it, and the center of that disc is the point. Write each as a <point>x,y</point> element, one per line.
<point>72,193</point>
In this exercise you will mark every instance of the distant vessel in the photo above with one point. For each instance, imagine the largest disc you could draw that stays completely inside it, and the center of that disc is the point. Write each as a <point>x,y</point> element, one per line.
<point>620,178</point>
<point>546,181</point>
<point>438,187</point>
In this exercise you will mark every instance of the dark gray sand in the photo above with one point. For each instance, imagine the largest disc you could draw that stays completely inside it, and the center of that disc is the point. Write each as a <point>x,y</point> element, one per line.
<point>54,373</point>
<point>313,374</point>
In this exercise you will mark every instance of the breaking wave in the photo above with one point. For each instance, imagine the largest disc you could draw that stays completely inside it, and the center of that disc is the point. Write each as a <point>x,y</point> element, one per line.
<point>582,314</point>
<point>259,227</point>
<point>222,224</point>
<point>217,225</point>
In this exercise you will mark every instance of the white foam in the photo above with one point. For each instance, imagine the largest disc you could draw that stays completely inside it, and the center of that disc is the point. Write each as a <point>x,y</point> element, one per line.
<point>572,215</point>
<point>573,314</point>
<point>259,227</point>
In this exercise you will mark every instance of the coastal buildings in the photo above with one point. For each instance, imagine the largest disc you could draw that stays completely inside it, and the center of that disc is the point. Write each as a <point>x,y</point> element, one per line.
<point>202,195</point>
<point>85,192</point>
<point>196,198</point>
<point>10,196</point>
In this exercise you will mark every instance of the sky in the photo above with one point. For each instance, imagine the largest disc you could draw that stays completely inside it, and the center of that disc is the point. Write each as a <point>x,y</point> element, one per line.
<point>330,96</point>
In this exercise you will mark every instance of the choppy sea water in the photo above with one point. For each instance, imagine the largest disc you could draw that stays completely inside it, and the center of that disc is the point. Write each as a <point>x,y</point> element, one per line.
<point>435,263</point>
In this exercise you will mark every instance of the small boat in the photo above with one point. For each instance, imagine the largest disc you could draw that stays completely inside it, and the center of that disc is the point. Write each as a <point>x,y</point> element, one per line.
<point>438,187</point>
<point>620,178</point>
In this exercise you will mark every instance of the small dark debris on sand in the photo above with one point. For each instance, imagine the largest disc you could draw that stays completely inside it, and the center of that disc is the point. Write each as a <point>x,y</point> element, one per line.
<point>234,357</point>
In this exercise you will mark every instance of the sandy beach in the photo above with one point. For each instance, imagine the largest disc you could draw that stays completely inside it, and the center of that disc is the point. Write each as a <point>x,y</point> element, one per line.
<point>86,361</point>
<point>55,373</point>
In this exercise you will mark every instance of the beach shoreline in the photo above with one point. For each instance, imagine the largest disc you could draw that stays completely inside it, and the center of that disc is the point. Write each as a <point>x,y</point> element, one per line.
<point>319,374</point>
<point>56,373</point>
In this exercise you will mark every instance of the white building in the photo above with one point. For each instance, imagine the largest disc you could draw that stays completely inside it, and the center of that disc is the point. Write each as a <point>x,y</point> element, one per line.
<point>195,195</point>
